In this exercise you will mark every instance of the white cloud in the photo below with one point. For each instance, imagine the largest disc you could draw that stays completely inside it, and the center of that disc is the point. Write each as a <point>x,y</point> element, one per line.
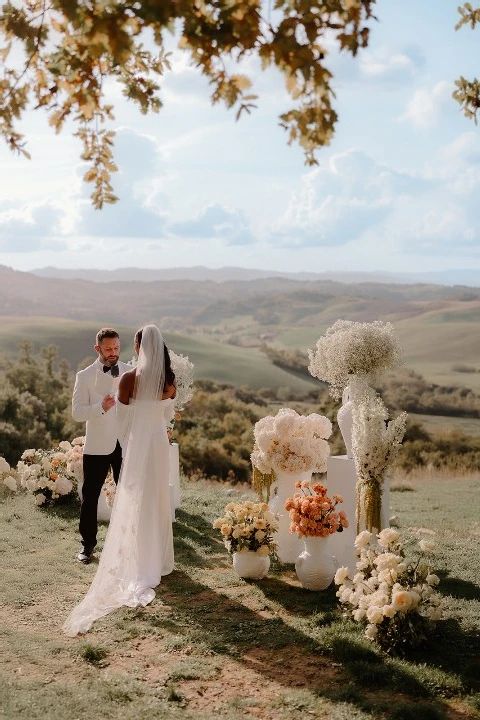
<point>427,105</point>
<point>353,199</point>
<point>216,221</point>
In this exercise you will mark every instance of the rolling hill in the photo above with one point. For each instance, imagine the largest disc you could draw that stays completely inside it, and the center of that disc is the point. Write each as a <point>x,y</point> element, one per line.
<point>222,326</point>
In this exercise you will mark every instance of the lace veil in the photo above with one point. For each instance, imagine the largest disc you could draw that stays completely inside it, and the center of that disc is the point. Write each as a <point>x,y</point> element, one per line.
<point>117,581</point>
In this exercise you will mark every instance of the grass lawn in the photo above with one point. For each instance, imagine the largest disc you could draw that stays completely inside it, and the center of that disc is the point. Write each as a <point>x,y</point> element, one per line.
<point>213,645</point>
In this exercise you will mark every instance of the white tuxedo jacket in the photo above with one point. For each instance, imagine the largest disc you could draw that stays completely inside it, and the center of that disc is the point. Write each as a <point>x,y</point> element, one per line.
<point>101,432</point>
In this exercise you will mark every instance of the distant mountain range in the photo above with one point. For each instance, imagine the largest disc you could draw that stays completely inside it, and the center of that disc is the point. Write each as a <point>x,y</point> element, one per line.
<point>465,278</point>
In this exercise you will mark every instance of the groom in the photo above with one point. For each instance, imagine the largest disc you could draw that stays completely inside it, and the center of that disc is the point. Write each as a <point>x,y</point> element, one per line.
<point>93,405</point>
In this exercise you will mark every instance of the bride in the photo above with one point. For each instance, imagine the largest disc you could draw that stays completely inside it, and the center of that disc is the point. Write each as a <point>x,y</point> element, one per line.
<point>138,548</point>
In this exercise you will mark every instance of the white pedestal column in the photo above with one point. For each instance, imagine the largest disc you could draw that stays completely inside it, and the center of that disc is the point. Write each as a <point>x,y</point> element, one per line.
<point>341,480</point>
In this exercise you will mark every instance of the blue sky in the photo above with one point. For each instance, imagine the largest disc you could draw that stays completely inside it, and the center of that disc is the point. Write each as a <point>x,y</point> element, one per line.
<point>397,189</point>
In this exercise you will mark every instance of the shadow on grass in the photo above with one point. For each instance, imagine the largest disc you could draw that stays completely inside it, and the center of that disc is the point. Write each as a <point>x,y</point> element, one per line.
<point>66,509</point>
<point>332,665</point>
<point>456,650</point>
<point>457,588</point>
<point>196,543</point>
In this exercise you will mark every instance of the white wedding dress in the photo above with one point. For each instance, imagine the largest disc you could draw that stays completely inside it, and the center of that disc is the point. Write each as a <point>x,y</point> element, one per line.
<point>138,549</point>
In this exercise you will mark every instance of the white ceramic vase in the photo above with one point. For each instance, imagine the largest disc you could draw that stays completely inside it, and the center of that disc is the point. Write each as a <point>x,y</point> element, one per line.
<point>315,566</point>
<point>288,544</point>
<point>345,421</point>
<point>250,565</point>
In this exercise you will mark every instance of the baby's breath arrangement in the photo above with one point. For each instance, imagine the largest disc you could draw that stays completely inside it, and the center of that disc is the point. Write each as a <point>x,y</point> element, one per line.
<point>353,348</point>
<point>376,441</point>
<point>394,596</point>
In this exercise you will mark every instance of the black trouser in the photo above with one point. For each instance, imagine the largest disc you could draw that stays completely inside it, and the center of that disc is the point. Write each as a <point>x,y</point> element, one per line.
<point>95,470</point>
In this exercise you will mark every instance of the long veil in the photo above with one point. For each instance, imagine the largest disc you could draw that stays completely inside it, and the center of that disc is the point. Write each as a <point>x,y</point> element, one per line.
<point>118,578</point>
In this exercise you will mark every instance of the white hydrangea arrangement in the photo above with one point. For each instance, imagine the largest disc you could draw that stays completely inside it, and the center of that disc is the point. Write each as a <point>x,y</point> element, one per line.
<point>46,473</point>
<point>353,348</point>
<point>248,526</point>
<point>376,441</point>
<point>291,443</point>
<point>8,476</point>
<point>393,596</point>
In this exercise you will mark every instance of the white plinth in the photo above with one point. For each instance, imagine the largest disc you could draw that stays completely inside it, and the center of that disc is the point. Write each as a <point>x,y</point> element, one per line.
<point>341,480</point>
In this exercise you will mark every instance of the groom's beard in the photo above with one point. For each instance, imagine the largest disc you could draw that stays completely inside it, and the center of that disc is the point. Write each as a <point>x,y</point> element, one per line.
<point>108,361</point>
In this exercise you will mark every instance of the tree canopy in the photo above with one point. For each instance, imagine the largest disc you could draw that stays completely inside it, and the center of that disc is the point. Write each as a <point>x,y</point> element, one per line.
<point>57,55</point>
<point>70,48</point>
<point>468,91</point>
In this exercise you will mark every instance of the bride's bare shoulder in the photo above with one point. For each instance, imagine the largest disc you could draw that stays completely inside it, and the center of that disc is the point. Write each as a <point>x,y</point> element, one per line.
<point>126,386</point>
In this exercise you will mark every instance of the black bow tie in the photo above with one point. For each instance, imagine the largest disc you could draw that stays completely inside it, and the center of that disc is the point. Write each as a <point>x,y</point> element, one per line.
<point>113,368</point>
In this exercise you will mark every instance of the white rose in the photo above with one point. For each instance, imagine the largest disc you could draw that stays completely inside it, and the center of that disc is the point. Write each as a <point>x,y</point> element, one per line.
<point>40,499</point>
<point>432,579</point>
<point>374,615</point>
<point>11,483</point>
<point>416,598</point>
<point>363,539</point>
<point>64,445</point>
<point>388,611</point>
<point>260,535</point>
<point>387,536</point>
<point>63,486</point>
<point>427,545</point>
<point>31,483</point>
<point>402,600</point>
<point>4,466</point>
<point>28,454</point>
<point>341,575</point>
<point>263,550</point>
<point>46,465</point>
<point>371,632</point>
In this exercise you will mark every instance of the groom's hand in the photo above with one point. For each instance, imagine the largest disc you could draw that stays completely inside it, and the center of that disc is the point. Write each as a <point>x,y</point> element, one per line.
<point>108,402</point>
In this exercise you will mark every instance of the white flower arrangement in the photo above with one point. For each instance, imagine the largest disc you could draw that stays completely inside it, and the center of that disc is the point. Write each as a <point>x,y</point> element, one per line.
<point>376,441</point>
<point>248,526</point>
<point>393,596</point>
<point>183,369</point>
<point>291,443</point>
<point>353,348</point>
<point>8,476</point>
<point>46,473</point>
<point>75,465</point>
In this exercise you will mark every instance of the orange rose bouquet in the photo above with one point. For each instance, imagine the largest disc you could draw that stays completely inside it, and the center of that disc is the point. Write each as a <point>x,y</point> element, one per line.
<point>313,513</point>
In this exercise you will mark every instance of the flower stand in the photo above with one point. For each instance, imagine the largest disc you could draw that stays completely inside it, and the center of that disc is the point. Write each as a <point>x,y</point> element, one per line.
<point>342,480</point>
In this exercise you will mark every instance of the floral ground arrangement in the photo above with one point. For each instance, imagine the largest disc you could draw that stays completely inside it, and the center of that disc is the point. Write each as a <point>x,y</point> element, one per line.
<point>214,645</point>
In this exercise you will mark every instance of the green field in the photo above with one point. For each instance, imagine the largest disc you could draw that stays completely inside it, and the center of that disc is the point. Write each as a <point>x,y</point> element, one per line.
<point>433,348</point>
<point>213,360</point>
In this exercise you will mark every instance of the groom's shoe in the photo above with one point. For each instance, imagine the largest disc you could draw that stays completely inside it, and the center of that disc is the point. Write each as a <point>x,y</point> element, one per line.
<point>85,555</point>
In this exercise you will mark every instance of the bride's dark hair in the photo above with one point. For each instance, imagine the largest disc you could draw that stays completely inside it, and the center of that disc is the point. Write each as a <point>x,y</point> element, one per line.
<point>169,374</point>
